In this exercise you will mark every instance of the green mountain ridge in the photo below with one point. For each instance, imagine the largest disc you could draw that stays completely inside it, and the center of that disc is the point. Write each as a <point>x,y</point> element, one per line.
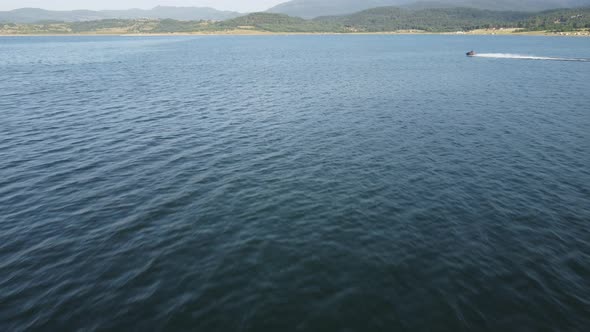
<point>383,19</point>
<point>307,9</point>
<point>316,8</point>
<point>386,19</point>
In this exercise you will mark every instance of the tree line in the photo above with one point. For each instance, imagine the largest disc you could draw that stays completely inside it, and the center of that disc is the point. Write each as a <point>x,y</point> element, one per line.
<point>373,20</point>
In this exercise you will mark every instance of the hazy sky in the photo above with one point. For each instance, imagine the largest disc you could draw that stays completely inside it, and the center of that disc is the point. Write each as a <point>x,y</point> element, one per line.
<point>238,5</point>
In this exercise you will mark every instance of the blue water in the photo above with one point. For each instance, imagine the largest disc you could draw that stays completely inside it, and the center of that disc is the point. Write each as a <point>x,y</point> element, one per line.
<point>282,183</point>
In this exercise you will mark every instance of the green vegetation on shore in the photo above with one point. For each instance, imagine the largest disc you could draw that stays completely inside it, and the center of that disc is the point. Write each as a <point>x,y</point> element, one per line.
<point>557,20</point>
<point>385,19</point>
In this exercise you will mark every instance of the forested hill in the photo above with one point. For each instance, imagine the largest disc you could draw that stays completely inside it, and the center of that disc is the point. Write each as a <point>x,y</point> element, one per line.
<point>431,20</point>
<point>317,8</point>
<point>385,19</point>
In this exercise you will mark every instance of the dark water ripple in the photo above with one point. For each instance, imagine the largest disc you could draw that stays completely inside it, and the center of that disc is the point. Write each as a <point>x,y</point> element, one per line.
<point>344,183</point>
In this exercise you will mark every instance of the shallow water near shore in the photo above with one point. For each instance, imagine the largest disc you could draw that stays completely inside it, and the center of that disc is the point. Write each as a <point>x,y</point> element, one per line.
<point>282,183</point>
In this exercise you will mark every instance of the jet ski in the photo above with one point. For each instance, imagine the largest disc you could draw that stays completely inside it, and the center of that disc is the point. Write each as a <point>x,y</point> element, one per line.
<point>471,53</point>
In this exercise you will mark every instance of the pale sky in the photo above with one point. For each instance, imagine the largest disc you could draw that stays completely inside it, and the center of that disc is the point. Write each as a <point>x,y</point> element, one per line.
<point>237,5</point>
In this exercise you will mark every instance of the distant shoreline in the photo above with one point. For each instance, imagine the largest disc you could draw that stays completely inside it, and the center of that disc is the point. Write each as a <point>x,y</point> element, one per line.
<point>388,20</point>
<point>483,32</point>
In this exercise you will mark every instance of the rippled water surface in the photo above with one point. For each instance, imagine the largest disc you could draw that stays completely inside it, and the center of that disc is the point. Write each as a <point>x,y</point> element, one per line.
<point>311,183</point>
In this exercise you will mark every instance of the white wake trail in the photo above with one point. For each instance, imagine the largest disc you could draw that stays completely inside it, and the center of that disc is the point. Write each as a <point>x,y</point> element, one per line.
<point>526,57</point>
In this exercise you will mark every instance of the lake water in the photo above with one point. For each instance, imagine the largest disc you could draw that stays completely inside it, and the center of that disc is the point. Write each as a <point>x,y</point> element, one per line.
<point>283,183</point>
